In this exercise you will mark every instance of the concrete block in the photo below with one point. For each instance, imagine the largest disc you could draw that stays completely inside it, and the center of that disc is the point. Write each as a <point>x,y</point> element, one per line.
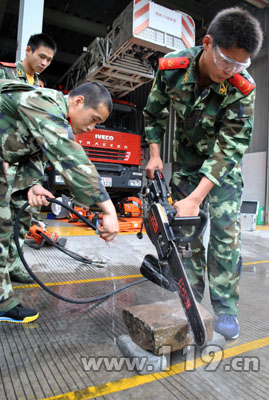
<point>145,362</point>
<point>217,343</point>
<point>163,326</point>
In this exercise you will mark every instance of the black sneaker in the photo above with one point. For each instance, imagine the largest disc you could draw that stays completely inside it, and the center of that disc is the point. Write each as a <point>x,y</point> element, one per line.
<point>19,315</point>
<point>18,275</point>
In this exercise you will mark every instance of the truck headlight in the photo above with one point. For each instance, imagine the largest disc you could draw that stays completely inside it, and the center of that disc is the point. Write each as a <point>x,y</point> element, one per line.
<point>135,182</point>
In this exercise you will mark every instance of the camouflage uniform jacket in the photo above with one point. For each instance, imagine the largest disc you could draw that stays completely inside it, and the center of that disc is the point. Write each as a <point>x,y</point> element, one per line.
<point>35,127</point>
<point>213,127</point>
<point>16,72</point>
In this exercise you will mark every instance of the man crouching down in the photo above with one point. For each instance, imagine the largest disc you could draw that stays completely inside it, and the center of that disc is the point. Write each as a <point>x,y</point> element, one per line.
<point>38,125</point>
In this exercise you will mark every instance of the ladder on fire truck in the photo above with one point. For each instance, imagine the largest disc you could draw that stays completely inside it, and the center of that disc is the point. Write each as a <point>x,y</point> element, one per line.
<point>121,60</point>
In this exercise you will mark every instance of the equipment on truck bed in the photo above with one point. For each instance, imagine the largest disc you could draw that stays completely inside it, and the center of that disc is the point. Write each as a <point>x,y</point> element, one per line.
<point>123,61</point>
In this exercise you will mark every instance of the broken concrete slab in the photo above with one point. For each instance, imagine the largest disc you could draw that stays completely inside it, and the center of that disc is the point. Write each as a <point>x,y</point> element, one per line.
<point>144,362</point>
<point>163,326</point>
<point>217,343</point>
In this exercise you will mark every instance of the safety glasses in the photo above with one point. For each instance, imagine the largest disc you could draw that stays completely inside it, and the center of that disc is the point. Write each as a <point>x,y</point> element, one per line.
<point>226,63</point>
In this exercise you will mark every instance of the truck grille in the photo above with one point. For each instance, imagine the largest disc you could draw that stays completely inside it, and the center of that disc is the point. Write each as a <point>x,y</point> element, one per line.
<point>105,154</point>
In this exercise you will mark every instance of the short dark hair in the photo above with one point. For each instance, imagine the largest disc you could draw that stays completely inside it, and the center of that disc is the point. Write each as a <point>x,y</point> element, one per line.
<point>236,27</point>
<point>42,39</point>
<point>94,93</point>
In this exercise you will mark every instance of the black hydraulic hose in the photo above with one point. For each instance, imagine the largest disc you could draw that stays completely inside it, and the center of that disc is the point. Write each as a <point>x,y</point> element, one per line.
<point>40,283</point>
<point>66,251</point>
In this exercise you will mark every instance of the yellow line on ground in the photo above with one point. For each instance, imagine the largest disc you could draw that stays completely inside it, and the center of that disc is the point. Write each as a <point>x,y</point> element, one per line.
<point>94,392</point>
<point>104,278</point>
<point>262,227</point>
<point>256,262</point>
<point>73,230</point>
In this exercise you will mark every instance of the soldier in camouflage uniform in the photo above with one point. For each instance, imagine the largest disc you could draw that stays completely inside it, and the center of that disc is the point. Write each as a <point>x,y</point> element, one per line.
<point>213,98</point>
<point>37,125</point>
<point>40,51</point>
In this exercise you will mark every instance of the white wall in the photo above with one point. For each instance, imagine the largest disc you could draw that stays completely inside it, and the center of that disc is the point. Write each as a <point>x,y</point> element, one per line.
<point>254,173</point>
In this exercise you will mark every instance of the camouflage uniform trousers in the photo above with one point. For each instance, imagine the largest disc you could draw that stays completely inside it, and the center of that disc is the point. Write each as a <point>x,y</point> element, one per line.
<point>223,261</point>
<point>7,299</point>
<point>14,260</point>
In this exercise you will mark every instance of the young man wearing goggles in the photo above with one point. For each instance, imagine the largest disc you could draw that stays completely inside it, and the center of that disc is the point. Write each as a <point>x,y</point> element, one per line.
<point>213,98</point>
<point>227,63</point>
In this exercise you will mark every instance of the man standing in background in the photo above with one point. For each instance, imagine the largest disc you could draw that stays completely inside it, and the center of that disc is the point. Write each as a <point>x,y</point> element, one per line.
<point>40,51</point>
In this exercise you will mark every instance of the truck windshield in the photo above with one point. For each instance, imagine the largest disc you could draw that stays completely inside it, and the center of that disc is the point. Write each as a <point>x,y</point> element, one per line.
<point>124,118</point>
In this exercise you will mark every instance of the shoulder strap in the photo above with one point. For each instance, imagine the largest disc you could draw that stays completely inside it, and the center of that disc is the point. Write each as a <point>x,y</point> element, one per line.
<point>242,84</point>
<point>9,68</point>
<point>8,64</point>
<point>173,63</point>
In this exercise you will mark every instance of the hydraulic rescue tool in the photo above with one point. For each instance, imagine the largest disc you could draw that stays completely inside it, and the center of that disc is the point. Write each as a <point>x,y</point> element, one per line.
<point>166,233</point>
<point>50,287</point>
<point>130,207</point>
<point>38,236</point>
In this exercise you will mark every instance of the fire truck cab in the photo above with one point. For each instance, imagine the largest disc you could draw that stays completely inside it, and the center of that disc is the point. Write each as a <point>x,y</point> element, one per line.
<point>115,149</point>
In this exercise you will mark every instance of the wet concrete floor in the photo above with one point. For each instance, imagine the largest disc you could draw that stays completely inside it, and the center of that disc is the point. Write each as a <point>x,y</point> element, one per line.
<point>71,351</point>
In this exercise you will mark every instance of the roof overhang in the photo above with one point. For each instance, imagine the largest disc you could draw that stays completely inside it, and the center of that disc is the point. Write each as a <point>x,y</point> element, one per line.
<point>259,3</point>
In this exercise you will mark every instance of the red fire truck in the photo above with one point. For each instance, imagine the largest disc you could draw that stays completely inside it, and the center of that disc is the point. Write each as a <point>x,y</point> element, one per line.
<point>115,149</point>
